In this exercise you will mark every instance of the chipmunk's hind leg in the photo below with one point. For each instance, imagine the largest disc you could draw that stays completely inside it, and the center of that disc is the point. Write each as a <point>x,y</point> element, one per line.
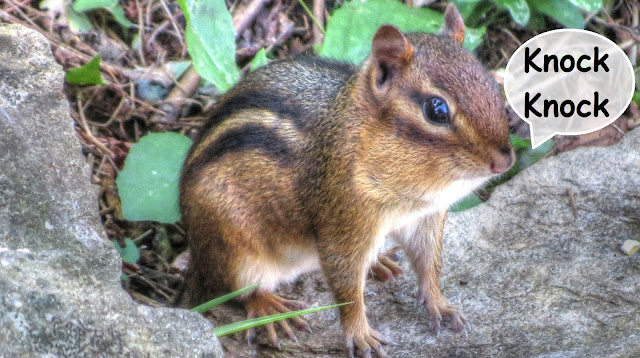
<point>271,269</point>
<point>386,268</point>
<point>264,303</point>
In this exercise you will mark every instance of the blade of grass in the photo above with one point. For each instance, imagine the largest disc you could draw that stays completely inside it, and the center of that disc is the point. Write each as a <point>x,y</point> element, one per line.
<point>242,325</point>
<point>313,18</point>
<point>220,300</point>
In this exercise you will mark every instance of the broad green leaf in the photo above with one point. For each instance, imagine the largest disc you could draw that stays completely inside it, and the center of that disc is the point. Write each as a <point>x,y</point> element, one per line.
<point>636,97</point>
<point>466,7</point>
<point>220,300</point>
<point>110,5</point>
<point>87,74</point>
<point>562,11</point>
<point>135,42</point>
<point>177,68</point>
<point>475,12</point>
<point>537,21</point>
<point>118,15</point>
<point>588,5</point>
<point>86,5</point>
<point>128,253</point>
<point>468,202</point>
<point>78,22</point>
<point>148,183</point>
<point>473,37</point>
<point>259,60</point>
<point>211,41</point>
<point>242,325</point>
<point>518,9</point>
<point>352,26</point>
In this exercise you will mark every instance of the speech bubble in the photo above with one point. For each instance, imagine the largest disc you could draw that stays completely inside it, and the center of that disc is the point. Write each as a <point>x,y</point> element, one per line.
<point>568,82</point>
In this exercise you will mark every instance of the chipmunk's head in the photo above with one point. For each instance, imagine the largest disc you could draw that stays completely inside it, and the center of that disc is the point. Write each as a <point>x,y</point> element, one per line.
<point>437,120</point>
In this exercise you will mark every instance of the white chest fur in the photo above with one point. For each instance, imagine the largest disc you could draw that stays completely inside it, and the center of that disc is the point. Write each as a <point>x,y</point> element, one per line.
<point>455,191</point>
<point>434,202</point>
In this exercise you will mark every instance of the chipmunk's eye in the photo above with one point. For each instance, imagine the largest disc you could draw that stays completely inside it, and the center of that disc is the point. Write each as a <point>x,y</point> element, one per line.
<point>436,111</point>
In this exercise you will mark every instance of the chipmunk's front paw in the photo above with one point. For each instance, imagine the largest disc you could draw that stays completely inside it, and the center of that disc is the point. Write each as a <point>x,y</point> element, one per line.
<point>438,309</point>
<point>365,343</point>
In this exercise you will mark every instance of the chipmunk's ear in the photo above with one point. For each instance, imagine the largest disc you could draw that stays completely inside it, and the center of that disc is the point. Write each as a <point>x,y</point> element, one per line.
<point>453,23</point>
<point>391,53</point>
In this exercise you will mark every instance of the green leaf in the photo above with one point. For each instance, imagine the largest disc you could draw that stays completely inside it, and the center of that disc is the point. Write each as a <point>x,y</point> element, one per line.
<point>110,5</point>
<point>468,202</point>
<point>220,300</point>
<point>128,253</point>
<point>259,60</point>
<point>588,5</point>
<point>537,22</point>
<point>525,155</point>
<point>351,27</point>
<point>519,143</point>
<point>148,183</point>
<point>562,11</point>
<point>636,98</point>
<point>177,68</point>
<point>466,7</point>
<point>87,74</point>
<point>518,9</point>
<point>473,37</point>
<point>118,15</point>
<point>242,325</point>
<point>86,5</point>
<point>475,12</point>
<point>529,156</point>
<point>78,22</point>
<point>211,41</point>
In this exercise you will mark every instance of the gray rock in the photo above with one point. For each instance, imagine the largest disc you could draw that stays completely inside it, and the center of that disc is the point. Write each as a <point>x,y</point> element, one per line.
<point>60,293</point>
<point>534,280</point>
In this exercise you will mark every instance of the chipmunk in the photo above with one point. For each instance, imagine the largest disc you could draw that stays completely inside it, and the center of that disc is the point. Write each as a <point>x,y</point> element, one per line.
<point>310,163</point>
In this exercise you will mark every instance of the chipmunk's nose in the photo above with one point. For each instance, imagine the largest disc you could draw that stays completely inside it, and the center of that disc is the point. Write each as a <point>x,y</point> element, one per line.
<point>502,160</point>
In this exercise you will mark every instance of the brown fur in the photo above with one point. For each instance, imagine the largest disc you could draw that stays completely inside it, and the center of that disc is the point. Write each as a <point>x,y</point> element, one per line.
<point>311,161</point>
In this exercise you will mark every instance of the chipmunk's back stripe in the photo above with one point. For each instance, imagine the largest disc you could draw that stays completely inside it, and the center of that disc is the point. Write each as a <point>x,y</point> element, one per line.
<point>247,137</point>
<point>273,102</point>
